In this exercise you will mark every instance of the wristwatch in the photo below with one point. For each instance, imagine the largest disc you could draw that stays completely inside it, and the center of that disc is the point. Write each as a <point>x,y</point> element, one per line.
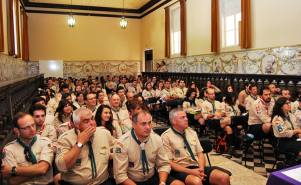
<point>13,171</point>
<point>79,145</point>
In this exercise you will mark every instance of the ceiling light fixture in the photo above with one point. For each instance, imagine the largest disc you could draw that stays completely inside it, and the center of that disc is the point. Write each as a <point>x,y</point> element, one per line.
<point>123,22</point>
<point>71,20</point>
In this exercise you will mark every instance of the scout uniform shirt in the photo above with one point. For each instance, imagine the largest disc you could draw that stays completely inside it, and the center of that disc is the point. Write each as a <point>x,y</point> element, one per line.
<point>284,127</point>
<point>127,158</point>
<point>121,117</point>
<point>232,110</point>
<point>176,149</point>
<point>260,112</point>
<point>212,108</point>
<point>181,92</point>
<point>41,148</point>
<point>249,101</point>
<point>48,130</point>
<point>81,172</point>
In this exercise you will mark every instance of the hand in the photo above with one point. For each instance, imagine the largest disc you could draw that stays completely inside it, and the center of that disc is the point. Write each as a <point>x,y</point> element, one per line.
<point>6,170</point>
<point>84,136</point>
<point>197,172</point>
<point>210,116</point>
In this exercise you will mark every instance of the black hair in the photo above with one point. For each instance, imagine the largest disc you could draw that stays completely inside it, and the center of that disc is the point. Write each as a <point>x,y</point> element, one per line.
<point>109,124</point>
<point>277,109</point>
<point>60,109</point>
<point>37,107</point>
<point>37,99</point>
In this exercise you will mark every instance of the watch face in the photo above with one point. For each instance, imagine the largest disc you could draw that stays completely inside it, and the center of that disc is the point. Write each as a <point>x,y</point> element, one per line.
<point>79,145</point>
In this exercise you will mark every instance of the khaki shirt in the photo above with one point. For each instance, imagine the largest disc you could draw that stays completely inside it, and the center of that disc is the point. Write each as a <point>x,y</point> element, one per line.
<point>298,116</point>
<point>232,110</point>
<point>260,112</point>
<point>148,94</point>
<point>63,128</point>
<point>56,122</point>
<point>176,149</point>
<point>207,108</point>
<point>166,94</point>
<point>81,171</point>
<point>294,106</point>
<point>48,130</point>
<point>249,101</point>
<point>192,109</point>
<point>121,117</point>
<point>283,128</point>
<point>14,156</point>
<point>127,158</point>
<point>181,92</point>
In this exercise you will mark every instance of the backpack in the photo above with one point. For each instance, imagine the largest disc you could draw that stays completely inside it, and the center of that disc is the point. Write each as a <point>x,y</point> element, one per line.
<point>221,144</point>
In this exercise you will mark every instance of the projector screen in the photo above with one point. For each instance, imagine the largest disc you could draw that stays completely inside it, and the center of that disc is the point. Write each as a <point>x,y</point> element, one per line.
<point>51,68</point>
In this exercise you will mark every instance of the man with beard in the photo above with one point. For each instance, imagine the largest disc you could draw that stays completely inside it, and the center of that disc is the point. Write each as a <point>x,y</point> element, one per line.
<point>252,97</point>
<point>260,115</point>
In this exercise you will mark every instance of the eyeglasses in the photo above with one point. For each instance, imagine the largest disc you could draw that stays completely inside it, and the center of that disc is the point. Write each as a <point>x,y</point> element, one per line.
<point>33,125</point>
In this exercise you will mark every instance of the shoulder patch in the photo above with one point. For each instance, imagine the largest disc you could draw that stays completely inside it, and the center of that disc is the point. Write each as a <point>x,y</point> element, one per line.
<point>117,150</point>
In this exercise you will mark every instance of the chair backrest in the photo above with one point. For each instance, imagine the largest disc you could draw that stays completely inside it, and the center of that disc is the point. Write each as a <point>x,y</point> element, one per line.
<point>160,130</point>
<point>206,145</point>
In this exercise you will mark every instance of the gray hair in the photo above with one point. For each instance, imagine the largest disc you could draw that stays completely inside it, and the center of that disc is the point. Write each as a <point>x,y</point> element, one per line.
<point>135,116</point>
<point>78,113</point>
<point>173,113</point>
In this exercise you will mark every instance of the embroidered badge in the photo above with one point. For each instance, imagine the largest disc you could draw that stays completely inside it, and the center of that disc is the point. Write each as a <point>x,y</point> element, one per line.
<point>280,128</point>
<point>117,150</point>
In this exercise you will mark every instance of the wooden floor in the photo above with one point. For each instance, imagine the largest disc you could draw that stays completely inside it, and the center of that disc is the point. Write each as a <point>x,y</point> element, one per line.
<point>240,174</point>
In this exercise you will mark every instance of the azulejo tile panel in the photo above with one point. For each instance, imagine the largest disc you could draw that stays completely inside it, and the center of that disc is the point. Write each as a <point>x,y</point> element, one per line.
<point>13,68</point>
<point>280,61</point>
<point>80,69</point>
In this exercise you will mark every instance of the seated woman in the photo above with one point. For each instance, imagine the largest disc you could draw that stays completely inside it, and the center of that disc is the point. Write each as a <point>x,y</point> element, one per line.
<point>149,95</point>
<point>79,100</point>
<point>193,108</point>
<point>63,113</point>
<point>104,118</point>
<point>285,127</point>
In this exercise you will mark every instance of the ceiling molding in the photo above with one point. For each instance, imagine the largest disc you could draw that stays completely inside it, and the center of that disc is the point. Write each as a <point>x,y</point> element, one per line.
<point>140,10</point>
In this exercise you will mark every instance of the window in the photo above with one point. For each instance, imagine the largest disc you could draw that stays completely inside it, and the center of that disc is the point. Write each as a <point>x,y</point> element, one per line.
<point>230,16</point>
<point>175,29</point>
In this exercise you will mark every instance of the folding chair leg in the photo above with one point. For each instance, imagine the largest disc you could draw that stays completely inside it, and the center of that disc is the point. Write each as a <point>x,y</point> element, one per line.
<point>208,159</point>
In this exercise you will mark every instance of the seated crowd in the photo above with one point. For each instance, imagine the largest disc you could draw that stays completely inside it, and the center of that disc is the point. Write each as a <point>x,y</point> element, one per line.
<point>100,131</point>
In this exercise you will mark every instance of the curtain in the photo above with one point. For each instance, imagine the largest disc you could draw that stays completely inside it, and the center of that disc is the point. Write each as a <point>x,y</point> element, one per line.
<point>25,45</point>
<point>215,26</point>
<point>183,27</point>
<point>1,28</point>
<point>246,41</point>
<point>167,33</point>
<point>17,6</point>
<point>11,38</point>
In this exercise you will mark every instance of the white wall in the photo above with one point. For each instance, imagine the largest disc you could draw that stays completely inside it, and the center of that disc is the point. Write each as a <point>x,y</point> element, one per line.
<point>51,68</point>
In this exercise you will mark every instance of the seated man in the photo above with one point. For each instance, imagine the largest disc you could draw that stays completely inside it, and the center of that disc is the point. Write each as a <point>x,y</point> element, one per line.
<point>83,152</point>
<point>28,159</point>
<point>139,156</point>
<point>120,116</point>
<point>42,128</point>
<point>215,118</point>
<point>260,115</point>
<point>185,153</point>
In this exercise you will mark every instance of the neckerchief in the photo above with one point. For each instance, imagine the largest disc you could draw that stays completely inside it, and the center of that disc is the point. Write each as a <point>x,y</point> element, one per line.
<point>145,166</point>
<point>29,155</point>
<point>185,142</point>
